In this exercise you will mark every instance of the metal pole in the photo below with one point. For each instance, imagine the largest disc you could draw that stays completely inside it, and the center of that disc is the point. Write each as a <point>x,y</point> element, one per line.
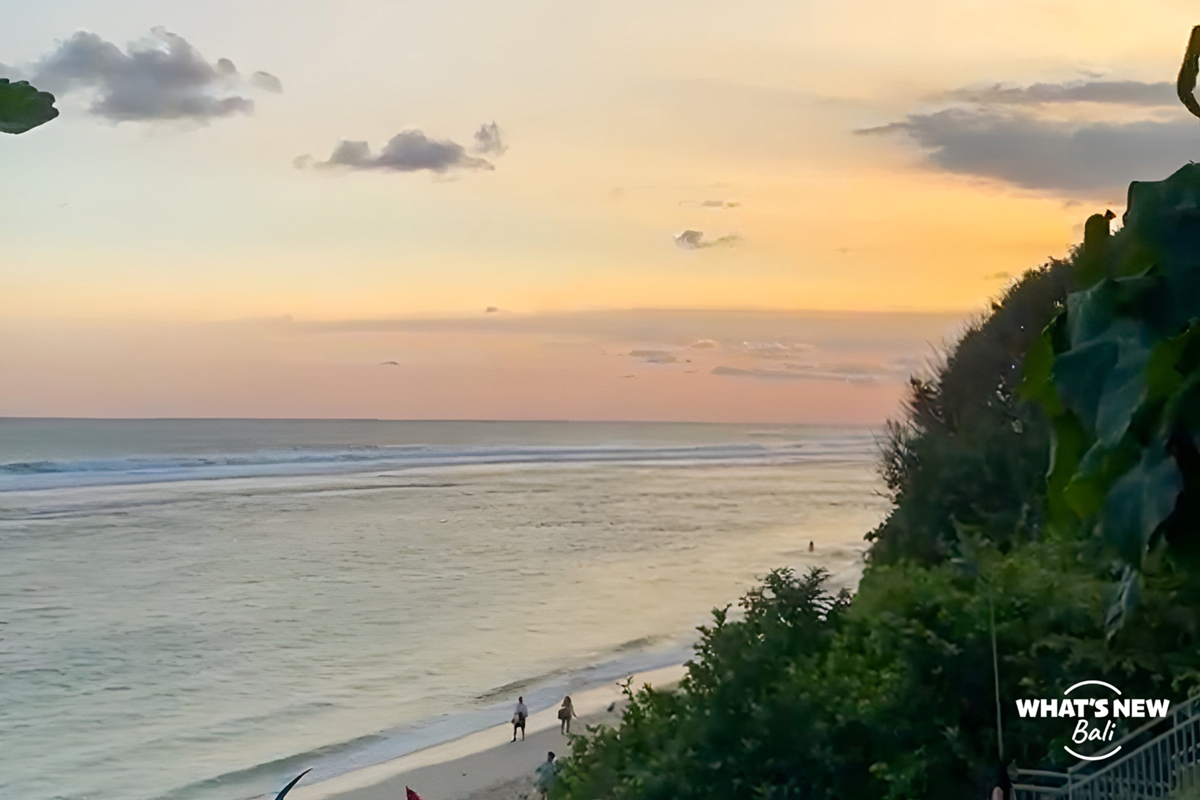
<point>996,674</point>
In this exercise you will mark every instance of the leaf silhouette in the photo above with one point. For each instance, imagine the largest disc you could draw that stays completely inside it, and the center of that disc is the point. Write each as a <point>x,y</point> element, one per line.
<point>23,108</point>
<point>295,780</point>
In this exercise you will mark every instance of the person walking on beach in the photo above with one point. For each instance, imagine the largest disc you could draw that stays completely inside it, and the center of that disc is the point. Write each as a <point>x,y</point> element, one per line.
<point>518,719</point>
<point>564,716</point>
<point>546,772</point>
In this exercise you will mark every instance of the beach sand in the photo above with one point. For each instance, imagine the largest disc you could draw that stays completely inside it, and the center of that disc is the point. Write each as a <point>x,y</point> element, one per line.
<point>486,765</point>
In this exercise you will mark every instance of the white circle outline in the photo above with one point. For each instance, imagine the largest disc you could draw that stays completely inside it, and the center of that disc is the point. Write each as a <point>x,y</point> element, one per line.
<point>1100,683</point>
<point>1093,758</point>
<point>1106,755</point>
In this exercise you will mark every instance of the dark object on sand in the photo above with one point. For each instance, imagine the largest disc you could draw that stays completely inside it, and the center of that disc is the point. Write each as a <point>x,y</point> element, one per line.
<point>1186,85</point>
<point>811,546</point>
<point>295,780</point>
<point>409,794</point>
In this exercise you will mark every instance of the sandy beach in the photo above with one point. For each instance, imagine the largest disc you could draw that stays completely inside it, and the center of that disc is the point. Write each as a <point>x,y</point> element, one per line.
<point>486,765</point>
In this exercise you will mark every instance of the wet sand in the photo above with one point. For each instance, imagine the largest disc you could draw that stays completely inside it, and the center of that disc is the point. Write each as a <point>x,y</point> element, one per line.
<point>485,765</point>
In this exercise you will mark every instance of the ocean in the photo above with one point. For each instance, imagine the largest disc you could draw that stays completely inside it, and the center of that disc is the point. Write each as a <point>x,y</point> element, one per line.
<point>199,609</point>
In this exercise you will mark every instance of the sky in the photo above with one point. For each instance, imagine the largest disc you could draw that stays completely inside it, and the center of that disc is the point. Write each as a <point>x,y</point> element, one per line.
<point>761,211</point>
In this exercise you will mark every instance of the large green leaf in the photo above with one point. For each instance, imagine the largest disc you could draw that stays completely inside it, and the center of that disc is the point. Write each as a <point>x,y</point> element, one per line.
<point>1080,374</point>
<point>23,108</point>
<point>1100,466</point>
<point>1139,501</point>
<point>1124,392</point>
<point>1068,441</point>
<point>1037,376</point>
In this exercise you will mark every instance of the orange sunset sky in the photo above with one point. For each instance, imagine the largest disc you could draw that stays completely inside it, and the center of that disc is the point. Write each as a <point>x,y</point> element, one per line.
<point>251,207</point>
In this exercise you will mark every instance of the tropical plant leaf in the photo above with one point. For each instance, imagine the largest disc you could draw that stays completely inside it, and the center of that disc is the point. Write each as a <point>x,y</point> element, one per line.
<point>23,108</point>
<point>1139,501</point>
<point>293,782</point>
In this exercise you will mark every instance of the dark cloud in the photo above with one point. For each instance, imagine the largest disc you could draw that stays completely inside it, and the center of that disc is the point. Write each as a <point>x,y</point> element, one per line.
<point>491,310</point>
<point>1034,153</point>
<point>488,141</point>
<point>997,276</point>
<point>694,240</point>
<point>1133,93</point>
<point>159,78</point>
<point>407,151</point>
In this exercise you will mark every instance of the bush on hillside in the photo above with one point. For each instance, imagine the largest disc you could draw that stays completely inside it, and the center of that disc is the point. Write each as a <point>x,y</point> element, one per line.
<point>891,696</point>
<point>969,451</point>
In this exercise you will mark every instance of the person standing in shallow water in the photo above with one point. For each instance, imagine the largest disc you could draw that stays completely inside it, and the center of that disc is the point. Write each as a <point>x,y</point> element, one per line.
<point>565,714</point>
<point>518,719</point>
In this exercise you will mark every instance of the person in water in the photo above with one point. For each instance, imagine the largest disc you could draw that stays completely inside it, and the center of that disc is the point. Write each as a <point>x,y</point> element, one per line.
<point>518,719</point>
<point>564,716</point>
<point>546,773</point>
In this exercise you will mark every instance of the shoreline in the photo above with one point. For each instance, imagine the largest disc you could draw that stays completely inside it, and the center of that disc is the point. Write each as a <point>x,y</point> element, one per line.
<point>484,765</point>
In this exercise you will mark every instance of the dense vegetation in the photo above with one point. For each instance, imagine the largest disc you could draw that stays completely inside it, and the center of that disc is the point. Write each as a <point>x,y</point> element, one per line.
<point>1087,370</point>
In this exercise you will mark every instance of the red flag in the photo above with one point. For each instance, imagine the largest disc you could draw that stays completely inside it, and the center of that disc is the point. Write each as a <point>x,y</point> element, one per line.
<point>409,794</point>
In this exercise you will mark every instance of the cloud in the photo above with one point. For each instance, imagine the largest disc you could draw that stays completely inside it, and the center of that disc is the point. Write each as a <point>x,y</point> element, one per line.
<point>488,141</point>
<point>850,336</point>
<point>1133,93</point>
<point>654,356</point>
<point>711,203</point>
<point>159,78</point>
<point>408,151</point>
<point>491,310</point>
<point>849,373</point>
<point>775,350</point>
<point>267,82</point>
<point>997,276</point>
<point>694,240</point>
<point>1033,153</point>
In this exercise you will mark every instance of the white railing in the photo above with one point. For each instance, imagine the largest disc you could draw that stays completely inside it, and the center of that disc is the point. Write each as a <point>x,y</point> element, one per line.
<point>1155,760</point>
